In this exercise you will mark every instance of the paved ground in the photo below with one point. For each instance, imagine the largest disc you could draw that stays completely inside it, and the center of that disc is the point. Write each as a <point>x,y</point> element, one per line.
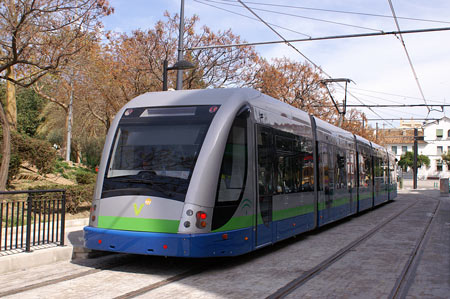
<point>370,270</point>
<point>421,184</point>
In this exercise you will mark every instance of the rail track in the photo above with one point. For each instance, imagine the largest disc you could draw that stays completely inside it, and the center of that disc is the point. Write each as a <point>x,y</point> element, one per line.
<point>402,283</point>
<point>399,290</point>
<point>406,278</point>
<point>100,267</point>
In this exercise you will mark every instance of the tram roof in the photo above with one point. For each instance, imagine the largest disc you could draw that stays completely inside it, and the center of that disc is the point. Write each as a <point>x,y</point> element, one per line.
<point>194,97</point>
<point>220,96</point>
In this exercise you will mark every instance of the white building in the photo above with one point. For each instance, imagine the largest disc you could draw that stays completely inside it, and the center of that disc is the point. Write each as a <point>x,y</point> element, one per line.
<point>436,141</point>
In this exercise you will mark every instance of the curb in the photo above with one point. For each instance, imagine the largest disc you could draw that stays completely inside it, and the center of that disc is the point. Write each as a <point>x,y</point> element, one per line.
<point>25,260</point>
<point>48,254</point>
<point>77,222</point>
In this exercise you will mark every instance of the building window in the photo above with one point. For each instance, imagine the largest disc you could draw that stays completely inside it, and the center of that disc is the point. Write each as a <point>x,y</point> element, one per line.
<point>394,149</point>
<point>448,148</point>
<point>440,150</point>
<point>439,133</point>
<point>439,165</point>
<point>448,133</point>
<point>404,149</point>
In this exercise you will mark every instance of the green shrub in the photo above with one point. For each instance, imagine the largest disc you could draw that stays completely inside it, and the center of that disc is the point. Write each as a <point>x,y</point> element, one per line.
<point>14,165</point>
<point>29,108</point>
<point>77,196</point>
<point>84,177</point>
<point>38,152</point>
<point>91,149</point>
<point>61,166</point>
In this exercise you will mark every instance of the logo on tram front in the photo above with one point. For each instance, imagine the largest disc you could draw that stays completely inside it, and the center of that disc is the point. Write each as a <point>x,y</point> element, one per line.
<point>137,210</point>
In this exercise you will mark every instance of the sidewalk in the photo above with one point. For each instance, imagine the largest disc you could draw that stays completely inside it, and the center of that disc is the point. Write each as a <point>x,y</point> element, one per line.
<point>421,184</point>
<point>48,254</point>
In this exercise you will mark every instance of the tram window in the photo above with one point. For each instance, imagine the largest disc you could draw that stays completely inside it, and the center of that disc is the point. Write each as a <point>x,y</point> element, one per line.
<point>284,143</point>
<point>284,167</point>
<point>265,162</point>
<point>367,171</point>
<point>378,168</point>
<point>324,168</point>
<point>158,146</point>
<point>386,170</point>
<point>365,168</point>
<point>285,175</point>
<point>340,180</point>
<point>233,171</point>
<point>294,164</point>
<point>350,169</point>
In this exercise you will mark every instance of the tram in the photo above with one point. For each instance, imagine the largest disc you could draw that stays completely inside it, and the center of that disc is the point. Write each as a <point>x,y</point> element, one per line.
<point>222,172</point>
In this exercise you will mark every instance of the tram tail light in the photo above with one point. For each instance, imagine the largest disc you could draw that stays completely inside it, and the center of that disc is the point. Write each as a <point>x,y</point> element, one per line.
<point>201,215</point>
<point>201,219</point>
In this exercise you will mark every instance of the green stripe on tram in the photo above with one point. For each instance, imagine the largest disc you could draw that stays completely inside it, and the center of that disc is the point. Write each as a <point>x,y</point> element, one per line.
<point>237,223</point>
<point>365,196</point>
<point>246,221</point>
<point>139,224</point>
<point>335,203</point>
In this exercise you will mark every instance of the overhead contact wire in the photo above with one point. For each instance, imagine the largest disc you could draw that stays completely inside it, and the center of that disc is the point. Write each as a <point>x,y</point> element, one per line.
<point>245,16</point>
<point>341,11</point>
<point>304,56</point>
<point>407,55</point>
<point>303,17</point>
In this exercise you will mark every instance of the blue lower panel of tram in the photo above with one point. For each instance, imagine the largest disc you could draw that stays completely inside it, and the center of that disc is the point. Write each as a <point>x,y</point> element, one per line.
<point>228,243</point>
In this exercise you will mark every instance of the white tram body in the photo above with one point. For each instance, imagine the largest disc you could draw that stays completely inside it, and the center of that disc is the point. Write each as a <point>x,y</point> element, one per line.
<point>222,172</point>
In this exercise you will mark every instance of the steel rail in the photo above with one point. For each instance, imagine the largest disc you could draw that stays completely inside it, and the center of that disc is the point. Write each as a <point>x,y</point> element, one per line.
<point>101,267</point>
<point>164,282</point>
<point>404,281</point>
<point>313,272</point>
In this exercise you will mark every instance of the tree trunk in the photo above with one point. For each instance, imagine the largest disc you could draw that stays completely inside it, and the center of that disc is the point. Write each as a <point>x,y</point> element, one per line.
<point>78,157</point>
<point>64,142</point>
<point>11,107</point>
<point>6,151</point>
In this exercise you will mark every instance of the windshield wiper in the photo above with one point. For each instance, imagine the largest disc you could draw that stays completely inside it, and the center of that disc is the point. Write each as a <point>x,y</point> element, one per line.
<point>134,180</point>
<point>144,174</point>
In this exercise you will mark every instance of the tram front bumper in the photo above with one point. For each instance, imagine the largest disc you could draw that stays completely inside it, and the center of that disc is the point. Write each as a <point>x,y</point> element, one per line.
<point>164,244</point>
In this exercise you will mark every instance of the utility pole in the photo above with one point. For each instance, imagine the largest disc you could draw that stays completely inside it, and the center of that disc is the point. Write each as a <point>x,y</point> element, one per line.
<point>415,159</point>
<point>180,48</point>
<point>376,133</point>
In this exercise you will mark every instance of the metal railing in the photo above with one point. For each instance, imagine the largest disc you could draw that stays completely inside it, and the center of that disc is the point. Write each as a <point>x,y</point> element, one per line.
<point>31,218</point>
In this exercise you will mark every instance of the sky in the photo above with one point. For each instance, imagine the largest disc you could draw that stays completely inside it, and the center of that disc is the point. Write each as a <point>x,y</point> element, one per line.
<point>378,66</point>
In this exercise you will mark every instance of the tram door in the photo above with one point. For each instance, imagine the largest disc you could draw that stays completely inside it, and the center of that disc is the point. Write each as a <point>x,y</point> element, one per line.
<point>265,158</point>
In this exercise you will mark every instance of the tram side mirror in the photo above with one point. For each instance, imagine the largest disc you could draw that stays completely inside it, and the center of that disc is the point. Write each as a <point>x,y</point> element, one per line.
<point>244,112</point>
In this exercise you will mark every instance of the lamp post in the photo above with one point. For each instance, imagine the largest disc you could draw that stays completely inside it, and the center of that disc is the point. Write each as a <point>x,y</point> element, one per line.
<point>179,65</point>
<point>179,85</point>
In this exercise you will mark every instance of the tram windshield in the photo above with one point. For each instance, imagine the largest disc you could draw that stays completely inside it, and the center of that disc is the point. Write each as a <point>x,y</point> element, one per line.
<point>155,150</point>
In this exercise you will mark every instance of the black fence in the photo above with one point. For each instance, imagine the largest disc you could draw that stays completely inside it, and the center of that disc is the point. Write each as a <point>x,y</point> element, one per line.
<point>31,218</point>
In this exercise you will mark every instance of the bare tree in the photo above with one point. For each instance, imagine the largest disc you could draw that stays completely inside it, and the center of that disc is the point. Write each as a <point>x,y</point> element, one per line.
<point>38,36</point>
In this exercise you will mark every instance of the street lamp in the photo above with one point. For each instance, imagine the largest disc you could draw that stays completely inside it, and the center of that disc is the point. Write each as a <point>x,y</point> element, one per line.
<point>179,65</point>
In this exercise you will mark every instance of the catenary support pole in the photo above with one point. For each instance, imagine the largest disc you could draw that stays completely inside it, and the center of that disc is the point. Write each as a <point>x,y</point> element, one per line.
<point>180,48</point>
<point>415,160</point>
